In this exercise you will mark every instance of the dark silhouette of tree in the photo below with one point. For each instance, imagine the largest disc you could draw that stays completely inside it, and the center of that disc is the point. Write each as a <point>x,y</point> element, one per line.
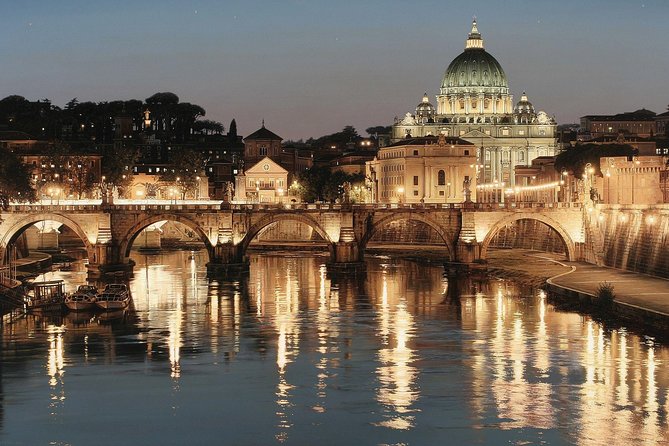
<point>320,184</point>
<point>185,171</point>
<point>207,127</point>
<point>232,132</point>
<point>117,166</point>
<point>15,180</point>
<point>378,130</point>
<point>575,158</point>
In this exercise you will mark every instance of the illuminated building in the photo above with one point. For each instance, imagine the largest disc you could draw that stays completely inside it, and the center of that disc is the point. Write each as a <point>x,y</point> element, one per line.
<point>429,170</point>
<point>474,104</point>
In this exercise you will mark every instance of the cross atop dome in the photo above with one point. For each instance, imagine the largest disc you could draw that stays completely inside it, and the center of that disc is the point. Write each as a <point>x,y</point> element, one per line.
<point>474,39</point>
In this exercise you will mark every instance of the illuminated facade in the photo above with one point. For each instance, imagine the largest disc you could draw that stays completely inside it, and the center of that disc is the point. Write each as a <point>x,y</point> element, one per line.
<point>424,170</point>
<point>474,104</point>
<point>264,182</point>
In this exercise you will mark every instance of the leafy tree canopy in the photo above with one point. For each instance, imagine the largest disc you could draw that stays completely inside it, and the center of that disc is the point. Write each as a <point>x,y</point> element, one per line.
<point>347,135</point>
<point>378,130</point>
<point>15,181</point>
<point>575,158</point>
<point>185,170</point>
<point>165,98</point>
<point>320,184</point>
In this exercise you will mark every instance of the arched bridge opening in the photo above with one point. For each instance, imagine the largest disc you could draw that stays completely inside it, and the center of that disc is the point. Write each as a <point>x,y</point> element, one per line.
<point>52,233</point>
<point>410,233</point>
<point>287,232</point>
<point>161,232</point>
<point>531,233</point>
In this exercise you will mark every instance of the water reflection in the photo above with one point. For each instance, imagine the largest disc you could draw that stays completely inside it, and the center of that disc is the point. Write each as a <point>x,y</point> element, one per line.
<point>397,388</point>
<point>397,357</point>
<point>55,367</point>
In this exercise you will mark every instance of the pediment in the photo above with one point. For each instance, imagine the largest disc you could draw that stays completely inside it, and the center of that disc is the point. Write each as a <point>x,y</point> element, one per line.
<point>476,135</point>
<point>266,165</point>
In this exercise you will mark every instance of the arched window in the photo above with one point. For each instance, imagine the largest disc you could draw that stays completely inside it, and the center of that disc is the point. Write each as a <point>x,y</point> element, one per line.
<point>441,178</point>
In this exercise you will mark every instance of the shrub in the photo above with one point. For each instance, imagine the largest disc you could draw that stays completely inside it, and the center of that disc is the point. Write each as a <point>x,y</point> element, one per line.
<point>605,294</point>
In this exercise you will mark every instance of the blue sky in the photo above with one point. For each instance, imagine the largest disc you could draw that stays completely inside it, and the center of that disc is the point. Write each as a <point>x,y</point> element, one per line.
<point>312,67</point>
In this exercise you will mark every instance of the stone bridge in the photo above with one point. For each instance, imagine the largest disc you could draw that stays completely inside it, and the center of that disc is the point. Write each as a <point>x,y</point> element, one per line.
<point>226,230</point>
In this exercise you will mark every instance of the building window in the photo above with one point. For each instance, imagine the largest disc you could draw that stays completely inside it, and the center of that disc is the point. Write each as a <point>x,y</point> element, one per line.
<point>466,152</point>
<point>263,150</point>
<point>521,132</point>
<point>415,193</point>
<point>415,180</point>
<point>415,153</point>
<point>441,178</point>
<point>441,193</point>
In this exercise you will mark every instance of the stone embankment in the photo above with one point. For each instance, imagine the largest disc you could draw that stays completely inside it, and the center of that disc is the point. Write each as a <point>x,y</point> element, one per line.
<point>638,298</point>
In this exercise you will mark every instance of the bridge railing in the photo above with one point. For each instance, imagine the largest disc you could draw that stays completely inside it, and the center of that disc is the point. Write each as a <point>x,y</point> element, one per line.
<point>213,206</point>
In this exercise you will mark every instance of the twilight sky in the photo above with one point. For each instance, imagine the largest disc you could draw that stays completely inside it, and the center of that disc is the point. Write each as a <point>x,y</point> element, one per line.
<point>310,67</point>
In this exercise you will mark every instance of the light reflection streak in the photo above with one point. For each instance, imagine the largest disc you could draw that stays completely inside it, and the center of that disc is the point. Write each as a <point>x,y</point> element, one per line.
<point>326,331</point>
<point>397,375</point>
<point>174,340</point>
<point>286,306</point>
<point>55,367</point>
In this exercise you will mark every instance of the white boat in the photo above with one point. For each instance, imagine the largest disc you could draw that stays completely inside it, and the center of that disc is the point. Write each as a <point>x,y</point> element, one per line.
<point>82,299</point>
<point>115,296</point>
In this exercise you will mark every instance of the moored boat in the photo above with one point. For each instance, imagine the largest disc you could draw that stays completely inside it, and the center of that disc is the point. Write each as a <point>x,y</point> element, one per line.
<point>82,299</point>
<point>46,296</point>
<point>115,296</point>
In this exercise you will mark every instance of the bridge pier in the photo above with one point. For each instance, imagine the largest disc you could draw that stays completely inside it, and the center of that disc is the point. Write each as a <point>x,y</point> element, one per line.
<point>348,258</point>
<point>228,260</point>
<point>106,259</point>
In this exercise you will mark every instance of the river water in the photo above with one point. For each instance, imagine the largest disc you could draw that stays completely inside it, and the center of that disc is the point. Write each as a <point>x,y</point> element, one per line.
<point>403,356</point>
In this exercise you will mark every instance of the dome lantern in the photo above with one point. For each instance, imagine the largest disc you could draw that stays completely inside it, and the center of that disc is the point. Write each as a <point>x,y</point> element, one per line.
<point>474,40</point>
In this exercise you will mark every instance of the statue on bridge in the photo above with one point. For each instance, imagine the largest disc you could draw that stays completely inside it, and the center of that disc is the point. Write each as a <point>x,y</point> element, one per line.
<point>228,192</point>
<point>466,191</point>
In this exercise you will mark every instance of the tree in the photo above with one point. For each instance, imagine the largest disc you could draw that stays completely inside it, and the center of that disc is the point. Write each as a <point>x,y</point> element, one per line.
<point>185,171</point>
<point>15,180</point>
<point>164,98</point>
<point>207,127</point>
<point>340,139</point>
<point>575,158</point>
<point>68,170</point>
<point>378,130</point>
<point>117,166</point>
<point>232,132</point>
<point>320,184</point>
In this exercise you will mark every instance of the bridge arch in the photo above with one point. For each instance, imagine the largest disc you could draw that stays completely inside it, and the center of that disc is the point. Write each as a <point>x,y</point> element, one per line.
<point>137,228</point>
<point>12,233</point>
<point>376,227</point>
<point>569,245</point>
<point>267,220</point>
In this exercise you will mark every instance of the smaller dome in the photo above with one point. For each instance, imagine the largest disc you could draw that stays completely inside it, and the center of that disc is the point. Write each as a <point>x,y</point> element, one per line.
<point>524,106</point>
<point>425,109</point>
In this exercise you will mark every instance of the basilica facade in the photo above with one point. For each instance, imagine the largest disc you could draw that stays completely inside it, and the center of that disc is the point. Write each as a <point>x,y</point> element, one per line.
<point>474,104</point>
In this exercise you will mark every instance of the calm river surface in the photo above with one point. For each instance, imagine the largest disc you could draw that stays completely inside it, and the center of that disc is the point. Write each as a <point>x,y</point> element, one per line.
<point>290,356</point>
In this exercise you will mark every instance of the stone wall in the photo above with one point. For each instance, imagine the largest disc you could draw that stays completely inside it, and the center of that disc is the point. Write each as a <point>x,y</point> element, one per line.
<point>634,238</point>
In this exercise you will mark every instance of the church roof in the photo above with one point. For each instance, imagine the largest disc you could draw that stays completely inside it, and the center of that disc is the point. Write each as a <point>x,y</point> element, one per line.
<point>263,133</point>
<point>427,140</point>
<point>266,165</point>
<point>638,115</point>
<point>474,68</point>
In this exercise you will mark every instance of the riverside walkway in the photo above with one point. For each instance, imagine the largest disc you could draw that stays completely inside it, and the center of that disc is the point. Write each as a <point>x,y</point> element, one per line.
<point>638,297</point>
<point>632,289</point>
